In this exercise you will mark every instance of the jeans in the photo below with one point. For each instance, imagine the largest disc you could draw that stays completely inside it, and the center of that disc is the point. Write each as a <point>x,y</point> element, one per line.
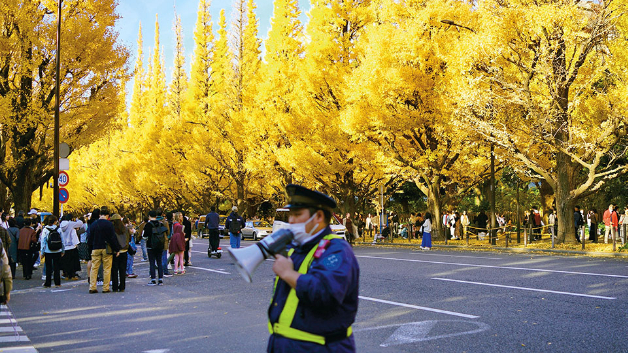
<point>164,261</point>
<point>235,240</point>
<point>53,264</point>
<point>154,258</point>
<point>144,251</point>
<point>129,264</point>
<point>118,271</point>
<point>100,256</point>
<point>129,259</point>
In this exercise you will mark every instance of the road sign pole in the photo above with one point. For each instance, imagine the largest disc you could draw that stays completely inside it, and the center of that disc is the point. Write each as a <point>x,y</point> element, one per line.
<point>55,205</point>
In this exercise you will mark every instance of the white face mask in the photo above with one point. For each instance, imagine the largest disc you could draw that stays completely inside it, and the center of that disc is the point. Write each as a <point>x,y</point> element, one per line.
<point>298,229</point>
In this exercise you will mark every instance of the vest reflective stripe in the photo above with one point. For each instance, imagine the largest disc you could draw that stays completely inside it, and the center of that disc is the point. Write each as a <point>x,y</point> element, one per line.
<point>283,326</point>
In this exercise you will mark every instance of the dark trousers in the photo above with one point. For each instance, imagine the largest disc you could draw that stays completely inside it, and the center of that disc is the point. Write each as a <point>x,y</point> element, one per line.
<point>118,271</point>
<point>26,258</point>
<point>593,232</point>
<point>214,239</point>
<point>53,264</point>
<point>154,259</point>
<point>186,253</point>
<point>12,264</point>
<point>70,263</point>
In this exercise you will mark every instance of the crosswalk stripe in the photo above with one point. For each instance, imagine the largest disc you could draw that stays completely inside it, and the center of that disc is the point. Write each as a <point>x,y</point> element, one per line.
<point>11,333</point>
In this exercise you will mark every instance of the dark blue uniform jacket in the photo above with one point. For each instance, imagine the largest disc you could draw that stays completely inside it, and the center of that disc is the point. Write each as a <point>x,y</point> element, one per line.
<point>328,298</point>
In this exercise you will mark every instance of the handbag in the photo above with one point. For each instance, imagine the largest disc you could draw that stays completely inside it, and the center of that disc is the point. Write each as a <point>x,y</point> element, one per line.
<point>132,249</point>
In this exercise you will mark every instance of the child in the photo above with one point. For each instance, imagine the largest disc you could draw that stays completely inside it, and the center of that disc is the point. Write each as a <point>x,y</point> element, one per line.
<point>177,244</point>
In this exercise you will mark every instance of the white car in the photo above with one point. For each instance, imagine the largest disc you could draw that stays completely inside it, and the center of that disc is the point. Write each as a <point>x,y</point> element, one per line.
<point>281,221</point>
<point>256,229</point>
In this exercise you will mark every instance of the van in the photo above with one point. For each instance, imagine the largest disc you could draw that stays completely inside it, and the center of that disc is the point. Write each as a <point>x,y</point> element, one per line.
<point>281,222</point>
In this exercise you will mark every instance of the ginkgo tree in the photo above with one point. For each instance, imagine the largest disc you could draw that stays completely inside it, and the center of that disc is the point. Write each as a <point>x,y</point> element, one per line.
<point>403,97</point>
<point>547,82</point>
<point>90,80</point>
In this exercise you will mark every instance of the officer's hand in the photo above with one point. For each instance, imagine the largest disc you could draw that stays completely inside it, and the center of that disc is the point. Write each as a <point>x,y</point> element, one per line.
<point>284,268</point>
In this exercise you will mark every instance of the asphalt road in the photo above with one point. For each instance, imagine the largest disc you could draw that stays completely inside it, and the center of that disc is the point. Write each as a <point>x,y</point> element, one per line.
<point>411,301</point>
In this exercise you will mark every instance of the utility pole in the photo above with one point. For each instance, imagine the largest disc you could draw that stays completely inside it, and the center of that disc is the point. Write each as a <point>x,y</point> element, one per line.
<point>493,233</point>
<point>55,206</point>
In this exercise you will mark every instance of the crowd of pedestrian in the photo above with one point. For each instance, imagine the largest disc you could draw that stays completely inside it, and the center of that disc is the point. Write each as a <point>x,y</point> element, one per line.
<point>106,243</point>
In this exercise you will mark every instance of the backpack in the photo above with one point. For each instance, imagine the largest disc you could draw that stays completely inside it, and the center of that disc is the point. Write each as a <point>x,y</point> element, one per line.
<point>122,240</point>
<point>537,219</point>
<point>54,240</point>
<point>235,226</point>
<point>157,239</point>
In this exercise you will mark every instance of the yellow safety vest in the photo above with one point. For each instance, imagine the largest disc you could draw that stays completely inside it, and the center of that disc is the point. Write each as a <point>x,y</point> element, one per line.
<point>283,326</point>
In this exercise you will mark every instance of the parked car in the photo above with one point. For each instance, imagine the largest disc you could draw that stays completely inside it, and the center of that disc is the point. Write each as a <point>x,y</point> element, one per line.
<point>256,229</point>
<point>281,221</point>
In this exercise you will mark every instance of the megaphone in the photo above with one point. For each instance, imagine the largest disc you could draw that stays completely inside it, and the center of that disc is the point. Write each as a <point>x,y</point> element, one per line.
<point>247,259</point>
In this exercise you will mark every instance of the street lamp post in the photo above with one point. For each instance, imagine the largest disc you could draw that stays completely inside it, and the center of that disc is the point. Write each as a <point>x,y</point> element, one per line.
<point>57,102</point>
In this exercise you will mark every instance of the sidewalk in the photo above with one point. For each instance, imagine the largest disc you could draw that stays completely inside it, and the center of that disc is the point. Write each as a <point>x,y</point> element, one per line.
<point>505,249</point>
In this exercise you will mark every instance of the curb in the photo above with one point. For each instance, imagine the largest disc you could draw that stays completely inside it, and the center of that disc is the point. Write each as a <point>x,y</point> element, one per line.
<point>513,250</point>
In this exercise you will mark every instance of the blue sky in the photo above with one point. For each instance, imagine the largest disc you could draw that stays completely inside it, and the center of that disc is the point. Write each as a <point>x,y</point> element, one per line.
<point>134,11</point>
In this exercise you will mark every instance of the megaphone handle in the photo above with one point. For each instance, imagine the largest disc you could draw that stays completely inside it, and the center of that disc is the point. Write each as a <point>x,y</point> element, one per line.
<point>284,252</point>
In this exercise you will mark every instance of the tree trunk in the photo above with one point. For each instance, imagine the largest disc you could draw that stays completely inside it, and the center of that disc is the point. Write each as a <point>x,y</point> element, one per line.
<point>564,202</point>
<point>434,207</point>
<point>22,191</point>
<point>4,199</point>
<point>240,194</point>
<point>547,199</point>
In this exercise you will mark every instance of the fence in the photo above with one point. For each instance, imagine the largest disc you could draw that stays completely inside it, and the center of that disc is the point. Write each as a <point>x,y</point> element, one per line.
<point>503,234</point>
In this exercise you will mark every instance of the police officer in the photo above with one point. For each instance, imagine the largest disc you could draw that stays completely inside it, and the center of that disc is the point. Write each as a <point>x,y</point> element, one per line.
<point>315,298</point>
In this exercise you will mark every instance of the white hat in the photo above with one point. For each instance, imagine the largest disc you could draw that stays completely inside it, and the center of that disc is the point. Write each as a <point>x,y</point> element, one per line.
<point>234,208</point>
<point>32,211</point>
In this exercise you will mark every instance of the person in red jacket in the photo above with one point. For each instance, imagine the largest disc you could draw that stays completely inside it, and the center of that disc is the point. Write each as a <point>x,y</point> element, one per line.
<point>611,221</point>
<point>177,244</point>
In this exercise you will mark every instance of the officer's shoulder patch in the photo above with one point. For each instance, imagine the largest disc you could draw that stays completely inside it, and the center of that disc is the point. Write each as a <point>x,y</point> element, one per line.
<point>332,262</point>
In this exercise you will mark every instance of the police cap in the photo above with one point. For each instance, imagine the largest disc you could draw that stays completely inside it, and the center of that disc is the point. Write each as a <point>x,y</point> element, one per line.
<point>302,197</point>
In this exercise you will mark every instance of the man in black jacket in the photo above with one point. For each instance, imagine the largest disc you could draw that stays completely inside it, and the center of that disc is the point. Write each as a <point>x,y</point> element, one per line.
<point>101,234</point>
<point>154,228</point>
<point>187,230</point>
<point>234,224</point>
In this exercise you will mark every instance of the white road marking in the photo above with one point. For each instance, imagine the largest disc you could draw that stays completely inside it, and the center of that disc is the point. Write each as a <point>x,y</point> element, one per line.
<point>525,288</point>
<point>157,351</point>
<point>59,290</point>
<point>419,307</point>
<point>210,270</point>
<point>10,329</point>
<point>494,266</point>
<point>413,332</point>
<point>12,333</point>
<point>472,257</point>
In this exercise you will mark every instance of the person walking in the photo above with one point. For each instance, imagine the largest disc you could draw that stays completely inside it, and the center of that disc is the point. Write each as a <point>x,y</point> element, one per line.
<point>369,225</point>
<point>14,235</point>
<point>27,239</point>
<point>177,244</point>
<point>102,241</point>
<point>132,248</point>
<point>187,231</point>
<point>155,233</point>
<point>315,298</point>
<point>52,250</point>
<point>464,221</point>
<point>593,218</point>
<point>212,221</point>
<point>426,229</point>
<point>234,223</point>
<point>578,222</point>
<point>610,223</point>
<point>71,263</point>
<point>118,264</point>
<point>349,226</point>
<point>140,231</point>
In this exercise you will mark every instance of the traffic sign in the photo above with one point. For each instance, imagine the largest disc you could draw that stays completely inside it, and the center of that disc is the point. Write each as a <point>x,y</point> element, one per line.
<point>64,195</point>
<point>64,178</point>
